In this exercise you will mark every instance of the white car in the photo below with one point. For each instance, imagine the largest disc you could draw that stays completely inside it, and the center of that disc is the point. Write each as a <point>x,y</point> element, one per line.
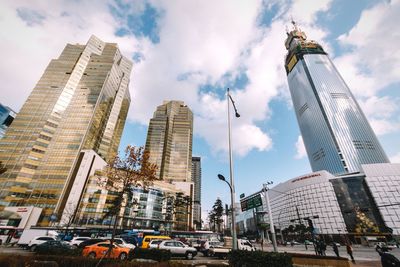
<point>77,240</point>
<point>154,243</point>
<point>39,240</point>
<point>177,248</point>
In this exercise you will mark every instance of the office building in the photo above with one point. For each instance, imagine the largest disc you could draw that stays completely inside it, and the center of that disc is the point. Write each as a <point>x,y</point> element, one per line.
<point>80,103</point>
<point>7,116</point>
<point>336,134</point>
<point>196,179</point>
<point>169,141</point>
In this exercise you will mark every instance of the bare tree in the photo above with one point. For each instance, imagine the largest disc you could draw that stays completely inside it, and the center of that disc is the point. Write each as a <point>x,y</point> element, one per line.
<point>121,175</point>
<point>68,217</point>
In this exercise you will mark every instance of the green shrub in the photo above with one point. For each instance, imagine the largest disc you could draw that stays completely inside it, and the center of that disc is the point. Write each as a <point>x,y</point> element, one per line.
<point>243,258</point>
<point>152,254</point>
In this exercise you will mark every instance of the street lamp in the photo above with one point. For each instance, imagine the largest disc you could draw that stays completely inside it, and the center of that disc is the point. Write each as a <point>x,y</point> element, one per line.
<point>231,184</point>
<point>271,221</point>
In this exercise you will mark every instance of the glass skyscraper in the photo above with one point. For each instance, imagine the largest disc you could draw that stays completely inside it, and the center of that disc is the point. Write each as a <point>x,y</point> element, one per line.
<point>336,133</point>
<point>169,141</point>
<point>7,116</point>
<point>80,102</point>
<point>196,179</point>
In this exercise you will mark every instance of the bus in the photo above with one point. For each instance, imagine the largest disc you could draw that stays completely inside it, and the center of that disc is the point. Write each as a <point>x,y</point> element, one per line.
<point>195,238</point>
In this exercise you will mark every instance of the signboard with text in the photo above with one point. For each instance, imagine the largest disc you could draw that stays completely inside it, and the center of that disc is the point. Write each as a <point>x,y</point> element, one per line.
<point>251,202</point>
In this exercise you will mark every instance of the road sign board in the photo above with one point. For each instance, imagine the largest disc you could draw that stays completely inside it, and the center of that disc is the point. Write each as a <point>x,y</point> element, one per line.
<point>251,202</point>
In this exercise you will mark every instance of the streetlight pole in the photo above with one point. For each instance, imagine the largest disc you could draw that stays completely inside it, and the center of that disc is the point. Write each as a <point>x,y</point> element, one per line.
<point>271,221</point>
<point>232,184</point>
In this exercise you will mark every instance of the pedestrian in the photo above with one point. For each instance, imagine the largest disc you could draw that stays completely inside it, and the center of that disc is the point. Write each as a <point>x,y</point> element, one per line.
<point>349,249</point>
<point>335,249</point>
<point>323,248</point>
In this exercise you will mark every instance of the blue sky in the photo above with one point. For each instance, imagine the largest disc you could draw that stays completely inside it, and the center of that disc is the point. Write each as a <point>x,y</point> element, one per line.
<point>194,50</point>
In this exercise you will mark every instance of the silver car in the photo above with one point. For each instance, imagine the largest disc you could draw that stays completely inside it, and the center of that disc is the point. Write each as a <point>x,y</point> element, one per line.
<point>179,249</point>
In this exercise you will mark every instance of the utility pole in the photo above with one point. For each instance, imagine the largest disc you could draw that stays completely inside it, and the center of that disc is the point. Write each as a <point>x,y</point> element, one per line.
<point>271,221</point>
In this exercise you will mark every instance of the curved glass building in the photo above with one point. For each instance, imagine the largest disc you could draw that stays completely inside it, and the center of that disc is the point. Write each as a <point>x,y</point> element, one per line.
<point>336,133</point>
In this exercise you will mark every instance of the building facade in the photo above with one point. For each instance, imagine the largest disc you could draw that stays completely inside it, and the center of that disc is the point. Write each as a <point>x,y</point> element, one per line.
<point>169,141</point>
<point>196,179</point>
<point>80,102</point>
<point>336,133</point>
<point>7,116</point>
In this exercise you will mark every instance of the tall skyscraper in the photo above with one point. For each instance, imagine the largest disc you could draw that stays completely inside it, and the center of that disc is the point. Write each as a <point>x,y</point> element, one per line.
<point>169,141</point>
<point>196,179</point>
<point>336,133</point>
<point>7,116</point>
<point>80,102</point>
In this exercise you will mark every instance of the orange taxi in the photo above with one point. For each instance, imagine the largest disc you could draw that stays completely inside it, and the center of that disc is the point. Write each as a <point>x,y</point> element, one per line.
<point>99,250</point>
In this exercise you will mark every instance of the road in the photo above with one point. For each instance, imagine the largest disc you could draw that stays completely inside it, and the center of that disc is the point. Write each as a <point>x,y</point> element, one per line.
<point>368,256</point>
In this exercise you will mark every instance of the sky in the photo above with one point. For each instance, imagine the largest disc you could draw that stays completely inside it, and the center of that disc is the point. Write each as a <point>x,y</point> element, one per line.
<point>193,50</point>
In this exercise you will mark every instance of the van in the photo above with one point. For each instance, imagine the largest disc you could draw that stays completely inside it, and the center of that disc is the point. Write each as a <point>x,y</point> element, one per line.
<point>148,238</point>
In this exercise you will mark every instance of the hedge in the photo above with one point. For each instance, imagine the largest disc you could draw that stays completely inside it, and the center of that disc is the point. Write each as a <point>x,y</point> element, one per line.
<point>152,254</point>
<point>64,261</point>
<point>243,258</point>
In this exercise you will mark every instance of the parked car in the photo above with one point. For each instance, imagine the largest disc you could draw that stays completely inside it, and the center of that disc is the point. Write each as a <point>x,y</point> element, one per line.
<point>39,240</point>
<point>77,240</point>
<point>55,247</point>
<point>154,243</point>
<point>178,249</point>
<point>90,242</point>
<point>99,250</point>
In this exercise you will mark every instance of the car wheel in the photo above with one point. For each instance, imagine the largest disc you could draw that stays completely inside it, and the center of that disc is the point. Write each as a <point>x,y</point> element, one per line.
<point>189,255</point>
<point>33,248</point>
<point>92,255</point>
<point>122,256</point>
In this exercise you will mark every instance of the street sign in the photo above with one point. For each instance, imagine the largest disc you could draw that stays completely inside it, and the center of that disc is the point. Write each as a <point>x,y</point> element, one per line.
<point>242,195</point>
<point>251,202</point>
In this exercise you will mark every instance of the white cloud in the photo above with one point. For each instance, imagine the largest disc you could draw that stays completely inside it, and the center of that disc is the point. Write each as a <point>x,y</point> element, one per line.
<point>372,64</point>
<point>395,158</point>
<point>210,46</point>
<point>300,148</point>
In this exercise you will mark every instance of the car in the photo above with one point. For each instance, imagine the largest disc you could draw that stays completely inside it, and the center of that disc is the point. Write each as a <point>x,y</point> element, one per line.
<point>99,250</point>
<point>308,242</point>
<point>55,247</point>
<point>178,249</point>
<point>205,247</point>
<point>77,240</point>
<point>39,240</point>
<point>122,243</point>
<point>154,243</point>
<point>90,242</point>
<point>148,238</point>
<point>292,243</point>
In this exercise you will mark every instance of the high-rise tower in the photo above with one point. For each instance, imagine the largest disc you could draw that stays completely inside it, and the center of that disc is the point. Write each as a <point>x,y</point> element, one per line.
<point>336,133</point>
<point>196,179</point>
<point>7,116</point>
<point>80,102</point>
<point>169,141</point>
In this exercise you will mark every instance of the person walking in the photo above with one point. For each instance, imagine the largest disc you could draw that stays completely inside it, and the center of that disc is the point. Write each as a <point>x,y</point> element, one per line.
<point>349,249</point>
<point>335,249</point>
